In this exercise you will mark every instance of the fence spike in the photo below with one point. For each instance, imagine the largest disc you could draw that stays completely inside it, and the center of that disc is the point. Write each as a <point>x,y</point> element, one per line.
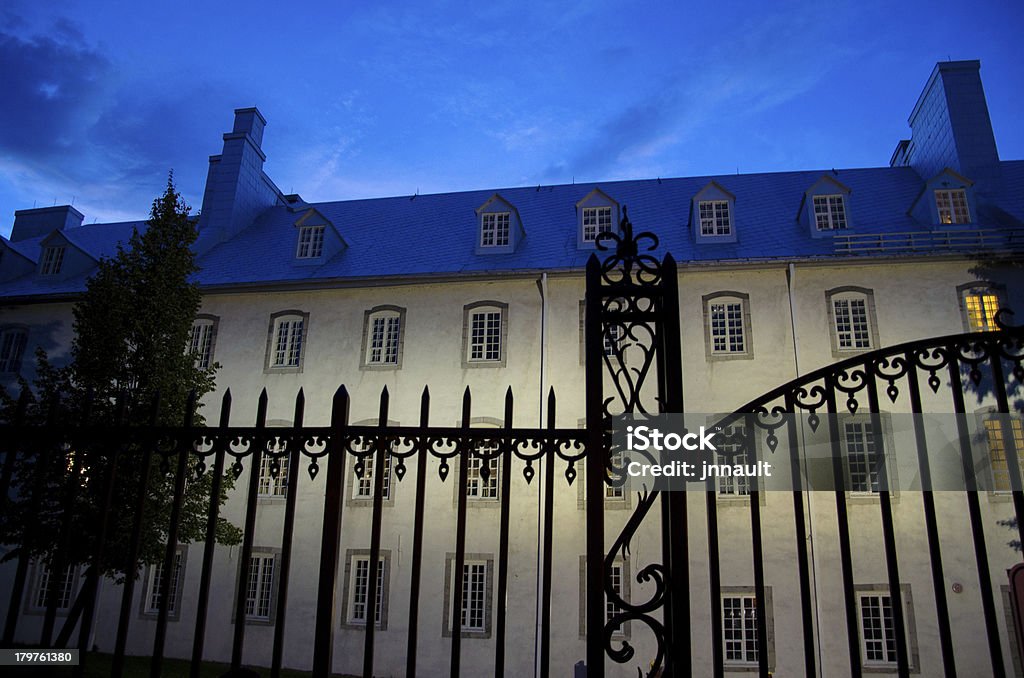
<point>225,406</point>
<point>425,407</point>
<point>261,409</point>
<point>508,407</point>
<point>300,407</point>
<point>466,400</point>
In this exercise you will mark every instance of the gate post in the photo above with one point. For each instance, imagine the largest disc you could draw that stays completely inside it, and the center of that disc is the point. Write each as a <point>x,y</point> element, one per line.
<point>595,463</point>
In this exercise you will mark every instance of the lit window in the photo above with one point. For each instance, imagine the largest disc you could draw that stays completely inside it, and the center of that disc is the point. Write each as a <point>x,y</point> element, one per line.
<point>311,242</point>
<point>53,259</point>
<point>878,629</point>
<point>364,484</point>
<point>952,206</point>
<point>200,342</point>
<point>494,229</point>
<point>739,629</point>
<point>12,348</point>
<point>474,597</point>
<point>981,306</point>
<point>727,332</point>
<point>596,220</point>
<point>155,583</point>
<point>997,450</point>
<point>64,585</point>
<point>259,591</point>
<point>862,458</point>
<point>384,334</point>
<point>287,335</point>
<point>829,212</point>
<point>485,335</point>
<point>714,217</point>
<point>271,484</point>
<point>477,486</point>
<point>850,315</point>
<point>731,450</point>
<point>361,590</point>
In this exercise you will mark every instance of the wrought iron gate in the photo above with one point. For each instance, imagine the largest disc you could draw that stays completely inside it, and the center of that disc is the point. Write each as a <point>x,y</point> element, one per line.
<point>632,307</point>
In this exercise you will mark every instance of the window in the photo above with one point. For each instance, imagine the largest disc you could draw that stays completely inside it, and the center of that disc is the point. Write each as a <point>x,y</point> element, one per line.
<point>613,337</point>
<point>200,341</point>
<point>484,335</point>
<point>474,616</point>
<point>952,206</point>
<point>994,427</point>
<point>478,486</point>
<point>52,260</point>
<point>851,316</point>
<point>618,466</point>
<point>494,229</point>
<point>727,326</point>
<point>311,242</point>
<point>714,217</point>
<point>260,589</point>
<point>619,577</point>
<point>980,305</point>
<point>829,212</point>
<point>878,629</point>
<point>64,585</point>
<point>12,348</point>
<point>364,484</point>
<point>154,587</point>
<point>611,608</point>
<point>358,588</point>
<point>739,629</point>
<point>383,334</point>
<point>596,220</point>
<point>732,450</point>
<point>863,461</point>
<point>273,480</point>
<point>286,341</point>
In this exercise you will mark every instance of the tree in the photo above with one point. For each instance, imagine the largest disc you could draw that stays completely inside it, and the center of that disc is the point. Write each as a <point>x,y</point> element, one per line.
<point>131,331</point>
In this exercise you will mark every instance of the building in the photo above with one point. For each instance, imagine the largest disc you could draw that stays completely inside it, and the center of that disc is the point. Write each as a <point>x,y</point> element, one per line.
<point>780,274</point>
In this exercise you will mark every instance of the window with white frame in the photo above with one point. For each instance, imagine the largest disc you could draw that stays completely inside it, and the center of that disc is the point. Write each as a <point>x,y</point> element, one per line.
<point>995,426</point>
<point>485,334</point>
<point>739,629</point>
<point>359,586</point>
<point>364,484</point>
<point>852,315</point>
<point>596,220</point>
<point>52,260</point>
<point>980,305</point>
<point>878,628</point>
<point>952,206</point>
<point>45,581</point>
<point>260,587</point>
<point>200,341</point>
<point>479,485</point>
<point>311,242</point>
<point>714,217</point>
<point>611,608</point>
<point>383,342</point>
<point>154,587</point>
<point>287,334</point>
<point>618,576</point>
<point>727,325</point>
<point>731,450</point>
<point>474,596</point>
<point>274,473</point>
<point>829,212</point>
<point>617,471</point>
<point>494,229</point>
<point>12,348</point>
<point>863,461</point>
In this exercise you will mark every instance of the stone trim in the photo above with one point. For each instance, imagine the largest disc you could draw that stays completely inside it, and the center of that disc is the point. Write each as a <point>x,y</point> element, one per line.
<point>467,311</point>
<point>624,631</point>
<point>732,591</point>
<point>449,581</point>
<point>267,366</point>
<point>368,315</point>
<point>748,335</point>
<point>259,551</point>
<point>914,654</point>
<point>147,582</point>
<point>348,589</point>
<point>869,296</point>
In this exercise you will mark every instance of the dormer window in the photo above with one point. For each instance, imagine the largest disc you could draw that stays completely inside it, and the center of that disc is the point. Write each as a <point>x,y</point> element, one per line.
<point>494,229</point>
<point>952,206</point>
<point>52,260</point>
<point>311,242</point>
<point>829,212</point>
<point>715,218</point>
<point>596,220</point>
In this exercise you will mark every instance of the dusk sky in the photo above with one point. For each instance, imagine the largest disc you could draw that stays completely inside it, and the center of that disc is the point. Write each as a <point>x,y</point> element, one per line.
<point>98,100</point>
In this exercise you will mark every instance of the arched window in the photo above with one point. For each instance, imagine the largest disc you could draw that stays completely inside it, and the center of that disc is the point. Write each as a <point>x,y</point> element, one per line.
<point>383,337</point>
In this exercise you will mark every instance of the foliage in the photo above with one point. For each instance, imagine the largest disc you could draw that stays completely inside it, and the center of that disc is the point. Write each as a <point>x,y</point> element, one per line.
<point>131,329</point>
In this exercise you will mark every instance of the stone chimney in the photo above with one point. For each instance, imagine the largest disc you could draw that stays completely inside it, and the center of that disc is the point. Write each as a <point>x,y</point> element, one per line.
<point>38,222</point>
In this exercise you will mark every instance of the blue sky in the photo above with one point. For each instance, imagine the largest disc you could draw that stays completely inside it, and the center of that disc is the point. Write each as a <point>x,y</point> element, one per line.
<point>101,99</point>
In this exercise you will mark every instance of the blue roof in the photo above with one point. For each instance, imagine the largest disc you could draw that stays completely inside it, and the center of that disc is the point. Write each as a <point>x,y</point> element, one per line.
<point>437,234</point>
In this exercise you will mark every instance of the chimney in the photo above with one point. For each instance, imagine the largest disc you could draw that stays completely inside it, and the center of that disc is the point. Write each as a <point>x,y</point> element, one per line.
<point>41,221</point>
<point>950,126</point>
<point>237,190</point>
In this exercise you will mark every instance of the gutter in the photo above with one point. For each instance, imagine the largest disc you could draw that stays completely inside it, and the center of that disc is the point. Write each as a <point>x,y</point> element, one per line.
<point>542,287</point>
